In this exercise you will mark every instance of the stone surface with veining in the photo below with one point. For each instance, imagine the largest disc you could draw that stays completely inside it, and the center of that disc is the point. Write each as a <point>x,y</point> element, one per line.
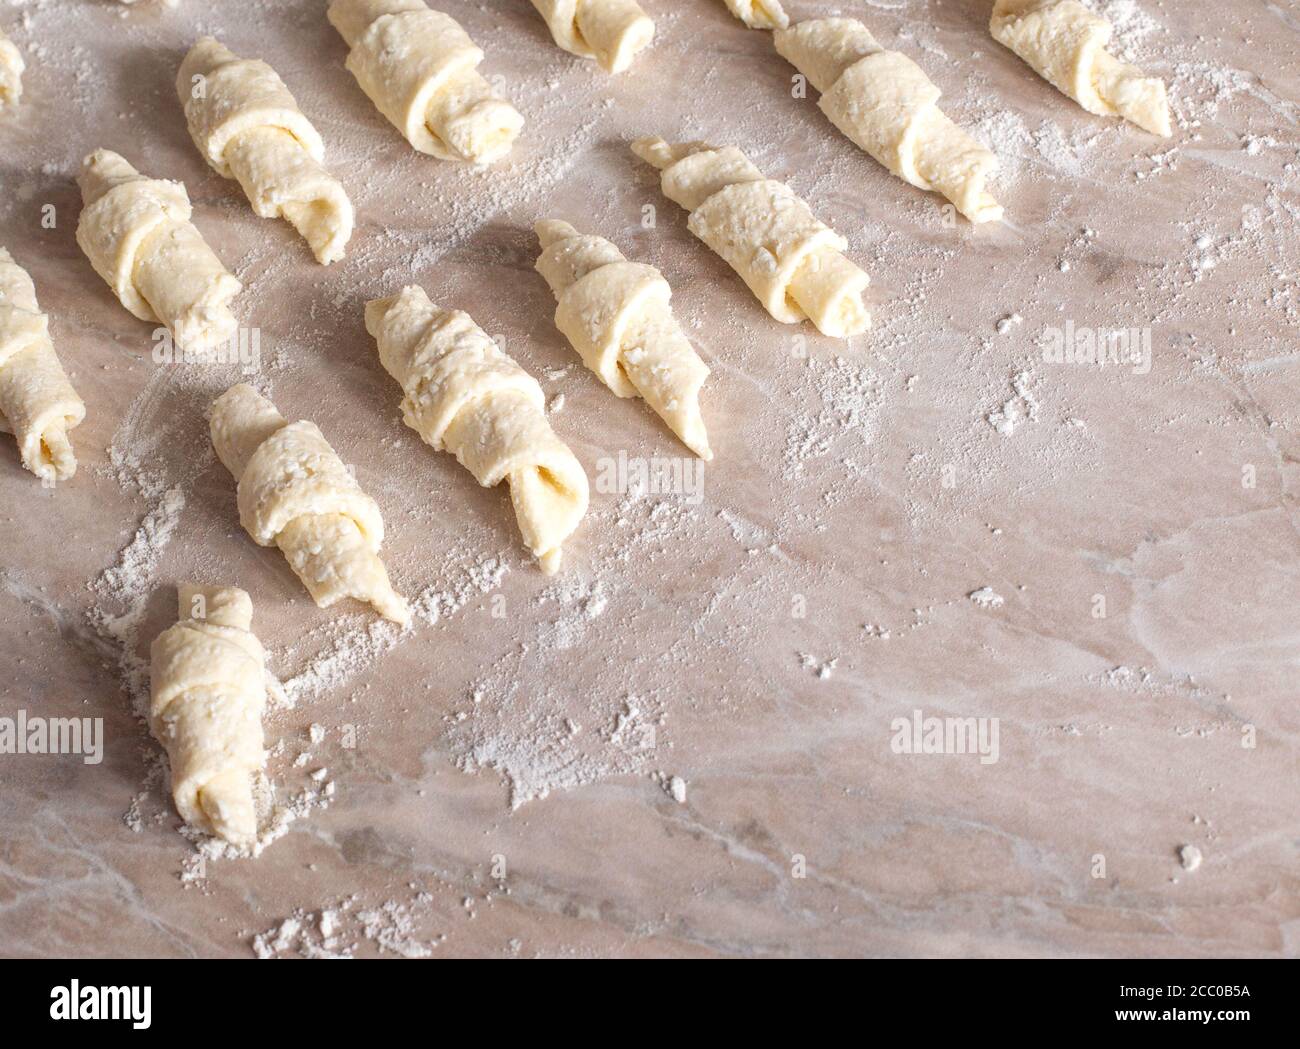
<point>503,776</point>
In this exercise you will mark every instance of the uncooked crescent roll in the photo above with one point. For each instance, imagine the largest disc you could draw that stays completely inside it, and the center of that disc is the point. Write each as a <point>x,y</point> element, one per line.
<point>37,403</point>
<point>617,315</point>
<point>295,493</point>
<point>886,105</point>
<point>136,231</point>
<point>11,73</point>
<point>208,683</point>
<point>464,396</point>
<point>248,127</point>
<point>1065,43</point>
<point>610,31</point>
<point>791,261</point>
<point>419,68</point>
<point>759,14</point>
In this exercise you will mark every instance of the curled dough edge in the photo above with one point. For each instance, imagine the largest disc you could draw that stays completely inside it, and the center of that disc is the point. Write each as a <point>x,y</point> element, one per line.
<point>613,32</point>
<point>618,316</point>
<point>208,693</point>
<point>294,492</point>
<point>248,127</point>
<point>12,67</point>
<point>884,103</point>
<point>759,14</point>
<point>463,395</point>
<point>420,69</point>
<point>137,234</point>
<point>1065,43</point>
<point>792,262</point>
<point>37,402</point>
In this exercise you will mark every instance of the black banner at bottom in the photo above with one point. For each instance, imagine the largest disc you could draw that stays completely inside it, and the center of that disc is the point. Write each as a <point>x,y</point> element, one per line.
<point>148,997</point>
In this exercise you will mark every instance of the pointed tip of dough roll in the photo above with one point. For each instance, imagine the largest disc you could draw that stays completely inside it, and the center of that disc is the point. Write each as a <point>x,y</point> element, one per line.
<point>1145,103</point>
<point>101,170</point>
<point>551,230</point>
<point>206,53</point>
<point>220,605</point>
<point>695,436</point>
<point>663,154</point>
<point>653,150</point>
<point>377,309</point>
<point>392,606</point>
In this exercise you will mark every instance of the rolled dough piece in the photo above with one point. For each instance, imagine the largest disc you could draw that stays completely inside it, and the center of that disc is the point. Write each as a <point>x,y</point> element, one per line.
<point>617,315</point>
<point>1065,43</point>
<point>759,14</point>
<point>419,68</point>
<point>295,493</point>
<point>136,231</point>
<point>464,396</point>
<point>792,262</point>
<point>11,73</point>
<point>610,31</point>
<point>208,677</point>
<point>885,104</point>
<point>248,127</point>
<point>37,403</point>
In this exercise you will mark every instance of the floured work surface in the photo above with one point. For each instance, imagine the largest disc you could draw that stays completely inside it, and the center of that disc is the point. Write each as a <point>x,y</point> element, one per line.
<point>643,754</point>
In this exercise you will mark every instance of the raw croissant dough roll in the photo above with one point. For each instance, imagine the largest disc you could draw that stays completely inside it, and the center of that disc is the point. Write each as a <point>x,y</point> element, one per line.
<point>136,231</point>
<point>759,14</point>
<point>37,403</point>
<point>791,261</point>
<point>208,676</point>
<point>610,31</point>
<point>885,104</point>
<point>419,68</point>
<point>295,493</point>
<point>1065,43</point>
<point>11,73</point>
<point>617,315</point>
<point>463,395</point>
<point>248,127</point>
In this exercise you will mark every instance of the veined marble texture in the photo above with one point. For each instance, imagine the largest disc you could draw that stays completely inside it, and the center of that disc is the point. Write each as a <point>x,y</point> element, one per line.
<point>694,740</point>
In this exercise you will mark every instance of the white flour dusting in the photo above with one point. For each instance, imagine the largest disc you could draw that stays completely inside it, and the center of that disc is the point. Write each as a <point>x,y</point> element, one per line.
<point>351,651</point>
<point>341,929</point>
<point>1021,407</point>
<point>986,597</point>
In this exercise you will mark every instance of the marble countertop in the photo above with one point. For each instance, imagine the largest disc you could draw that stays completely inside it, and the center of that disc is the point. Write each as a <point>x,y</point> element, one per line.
<point>688,743</point>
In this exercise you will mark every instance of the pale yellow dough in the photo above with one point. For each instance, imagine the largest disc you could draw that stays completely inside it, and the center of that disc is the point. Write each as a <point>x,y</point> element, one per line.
<point>612,32</point>
<point>464,396</point>
<point>248,127</point>
<point>792,262</point>
<point>11,73</point>
<point>1065,43</point>
<point>294,492</point>
<point>420,69</point>
<point>137,233</point>
<point>37,403</point>
<point>886,105</point>
<point>759,14</point>
<point>617,315</point>
<point>208,676</point>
